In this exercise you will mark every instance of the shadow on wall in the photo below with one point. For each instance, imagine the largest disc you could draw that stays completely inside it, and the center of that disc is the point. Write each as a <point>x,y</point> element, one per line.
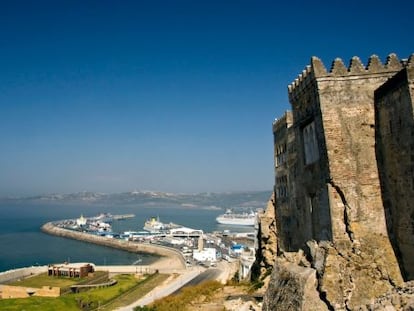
<point>394,134</point>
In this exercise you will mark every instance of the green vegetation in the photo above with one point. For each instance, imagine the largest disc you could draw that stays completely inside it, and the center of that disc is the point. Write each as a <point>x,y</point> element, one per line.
<point>44,280</point>
<point>258,282</point>
<point>255,271</point>
<point>136,292</point>
<point>126,290</point>
<point>145,308</point>
<point>187,295</point>
<point>38,304</point>
<point>64,283</point>
<point>234,280</point>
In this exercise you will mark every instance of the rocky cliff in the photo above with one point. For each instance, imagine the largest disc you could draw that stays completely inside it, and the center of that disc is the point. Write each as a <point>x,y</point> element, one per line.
<point>297,284</point>
<point>267,241</point>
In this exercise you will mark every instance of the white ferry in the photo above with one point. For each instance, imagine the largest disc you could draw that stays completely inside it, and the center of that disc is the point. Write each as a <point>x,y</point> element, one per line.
<point>154,225</point>
<point>239,219</point>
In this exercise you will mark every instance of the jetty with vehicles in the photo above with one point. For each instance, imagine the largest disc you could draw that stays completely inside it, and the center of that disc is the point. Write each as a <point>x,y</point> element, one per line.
<point>183,245</point>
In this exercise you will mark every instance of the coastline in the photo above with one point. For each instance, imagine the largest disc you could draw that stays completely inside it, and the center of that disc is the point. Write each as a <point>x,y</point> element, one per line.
<point>169,258</point>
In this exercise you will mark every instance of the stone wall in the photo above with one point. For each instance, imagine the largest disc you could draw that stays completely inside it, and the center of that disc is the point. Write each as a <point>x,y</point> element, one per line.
<point>334,189</point>
<point>342,179</point>
<point>395,154</point>
<point>8,291</point>
<point>285,165</point>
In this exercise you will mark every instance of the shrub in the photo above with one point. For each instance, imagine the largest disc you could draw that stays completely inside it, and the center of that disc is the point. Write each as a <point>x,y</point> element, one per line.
<point>186,296</point>
<point>145,308</point>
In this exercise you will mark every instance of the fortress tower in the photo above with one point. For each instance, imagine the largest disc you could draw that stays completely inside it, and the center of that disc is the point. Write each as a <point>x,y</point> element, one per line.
<point>333,204</point>
<point>394,119</point>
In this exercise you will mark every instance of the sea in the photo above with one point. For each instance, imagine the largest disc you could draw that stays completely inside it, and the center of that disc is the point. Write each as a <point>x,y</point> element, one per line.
<point>23,244</point>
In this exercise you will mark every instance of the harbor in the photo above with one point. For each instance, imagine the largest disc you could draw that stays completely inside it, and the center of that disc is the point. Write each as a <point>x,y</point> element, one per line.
<point>128,246</point>
<point>180,246</point>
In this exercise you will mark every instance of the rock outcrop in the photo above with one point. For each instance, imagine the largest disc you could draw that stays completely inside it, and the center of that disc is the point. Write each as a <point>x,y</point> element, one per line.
<point>267,240</point>
<point>293,287</point>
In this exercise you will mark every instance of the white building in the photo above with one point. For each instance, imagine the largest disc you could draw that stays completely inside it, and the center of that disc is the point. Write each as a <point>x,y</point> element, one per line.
<point>185,232</point>
<point>246,262</point>
<point>207,254</point>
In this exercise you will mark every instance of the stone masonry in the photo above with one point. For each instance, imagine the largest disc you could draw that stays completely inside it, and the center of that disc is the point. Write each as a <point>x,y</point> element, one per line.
<point>351,214</point>
<point>395,154</point>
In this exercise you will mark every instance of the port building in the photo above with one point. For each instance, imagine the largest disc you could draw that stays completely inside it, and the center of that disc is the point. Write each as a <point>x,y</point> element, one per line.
<point>73,270</point>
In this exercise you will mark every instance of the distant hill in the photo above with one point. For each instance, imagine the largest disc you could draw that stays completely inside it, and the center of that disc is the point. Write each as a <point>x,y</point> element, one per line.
<point>253,199</point>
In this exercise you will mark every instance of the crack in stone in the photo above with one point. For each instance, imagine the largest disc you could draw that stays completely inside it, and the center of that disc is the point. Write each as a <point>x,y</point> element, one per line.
<point>324,299</point>
<point>350,291</point>
<point>319,276</point>
<point>386,277</point>
<point>348,229</point>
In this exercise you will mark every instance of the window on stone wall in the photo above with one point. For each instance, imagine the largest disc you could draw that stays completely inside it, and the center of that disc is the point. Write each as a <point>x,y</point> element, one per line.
<point>281,187</point>
<point>280,154</point>
<point>310,143</point>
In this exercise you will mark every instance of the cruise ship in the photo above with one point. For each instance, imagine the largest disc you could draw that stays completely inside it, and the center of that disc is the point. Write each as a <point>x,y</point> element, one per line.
<point>239,219</point>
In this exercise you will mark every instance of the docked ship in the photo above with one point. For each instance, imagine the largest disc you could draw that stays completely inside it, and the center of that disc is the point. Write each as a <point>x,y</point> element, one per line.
<point>154,225</point>
<point>239,219</point>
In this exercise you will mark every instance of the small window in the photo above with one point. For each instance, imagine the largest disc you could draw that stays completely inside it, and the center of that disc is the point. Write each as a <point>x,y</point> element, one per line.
<point>310,143</point>
<point>280,157</point>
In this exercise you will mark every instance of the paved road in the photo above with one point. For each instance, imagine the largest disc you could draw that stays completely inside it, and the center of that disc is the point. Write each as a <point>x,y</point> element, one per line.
<point>209,274</point>
<point>193,276</point>
<point>164,291</point>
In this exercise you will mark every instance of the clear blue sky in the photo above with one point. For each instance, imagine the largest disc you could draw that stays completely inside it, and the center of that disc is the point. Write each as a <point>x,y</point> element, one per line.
<point>174,96</point>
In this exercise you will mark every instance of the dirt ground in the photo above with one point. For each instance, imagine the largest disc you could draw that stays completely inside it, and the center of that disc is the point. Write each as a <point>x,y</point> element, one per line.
<point>229,298</point>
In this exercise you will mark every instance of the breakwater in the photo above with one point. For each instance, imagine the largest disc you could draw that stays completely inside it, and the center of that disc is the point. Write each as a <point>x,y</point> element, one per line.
<point>129,246</point>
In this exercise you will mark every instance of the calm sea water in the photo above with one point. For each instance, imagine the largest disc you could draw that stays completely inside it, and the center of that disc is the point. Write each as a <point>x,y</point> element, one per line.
<point>23,244</point>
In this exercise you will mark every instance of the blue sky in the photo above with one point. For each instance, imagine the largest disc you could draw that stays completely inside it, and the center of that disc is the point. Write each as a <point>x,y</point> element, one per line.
<point>174,96</point>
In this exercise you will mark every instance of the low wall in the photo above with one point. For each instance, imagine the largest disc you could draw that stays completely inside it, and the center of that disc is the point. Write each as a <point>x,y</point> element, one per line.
<point>118,269</point>
<point>21,273</point>
<point>129,246</point>
<point>79,287</point>
<point>8,292</point>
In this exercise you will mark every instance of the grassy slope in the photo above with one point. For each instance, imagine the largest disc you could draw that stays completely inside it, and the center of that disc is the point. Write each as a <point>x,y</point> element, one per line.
<point>87,300</point>
<point>135,292</point>
<point>44,280</point>
<point>187,296</point>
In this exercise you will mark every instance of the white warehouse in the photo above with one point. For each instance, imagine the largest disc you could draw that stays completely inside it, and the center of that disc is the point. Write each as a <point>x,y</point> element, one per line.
<point>207,254</point>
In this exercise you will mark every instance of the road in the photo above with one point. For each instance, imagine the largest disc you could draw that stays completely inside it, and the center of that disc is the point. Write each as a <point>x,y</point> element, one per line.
<point>163,291</point>
<point>192,276</point>
<point>209,274</point>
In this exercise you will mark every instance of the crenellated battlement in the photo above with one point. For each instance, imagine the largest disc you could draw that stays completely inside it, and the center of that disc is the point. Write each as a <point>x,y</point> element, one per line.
<point>286,119</point>
<point>356,68</point>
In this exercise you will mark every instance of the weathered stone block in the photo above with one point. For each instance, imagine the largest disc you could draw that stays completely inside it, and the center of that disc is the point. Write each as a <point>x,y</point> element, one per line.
<point>292,288</point>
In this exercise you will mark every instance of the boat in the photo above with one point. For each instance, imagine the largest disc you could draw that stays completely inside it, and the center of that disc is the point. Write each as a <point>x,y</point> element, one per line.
<point>239,219</point>
<point>81,221</point>
<point>154,225</point>
<point>103,217</point>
